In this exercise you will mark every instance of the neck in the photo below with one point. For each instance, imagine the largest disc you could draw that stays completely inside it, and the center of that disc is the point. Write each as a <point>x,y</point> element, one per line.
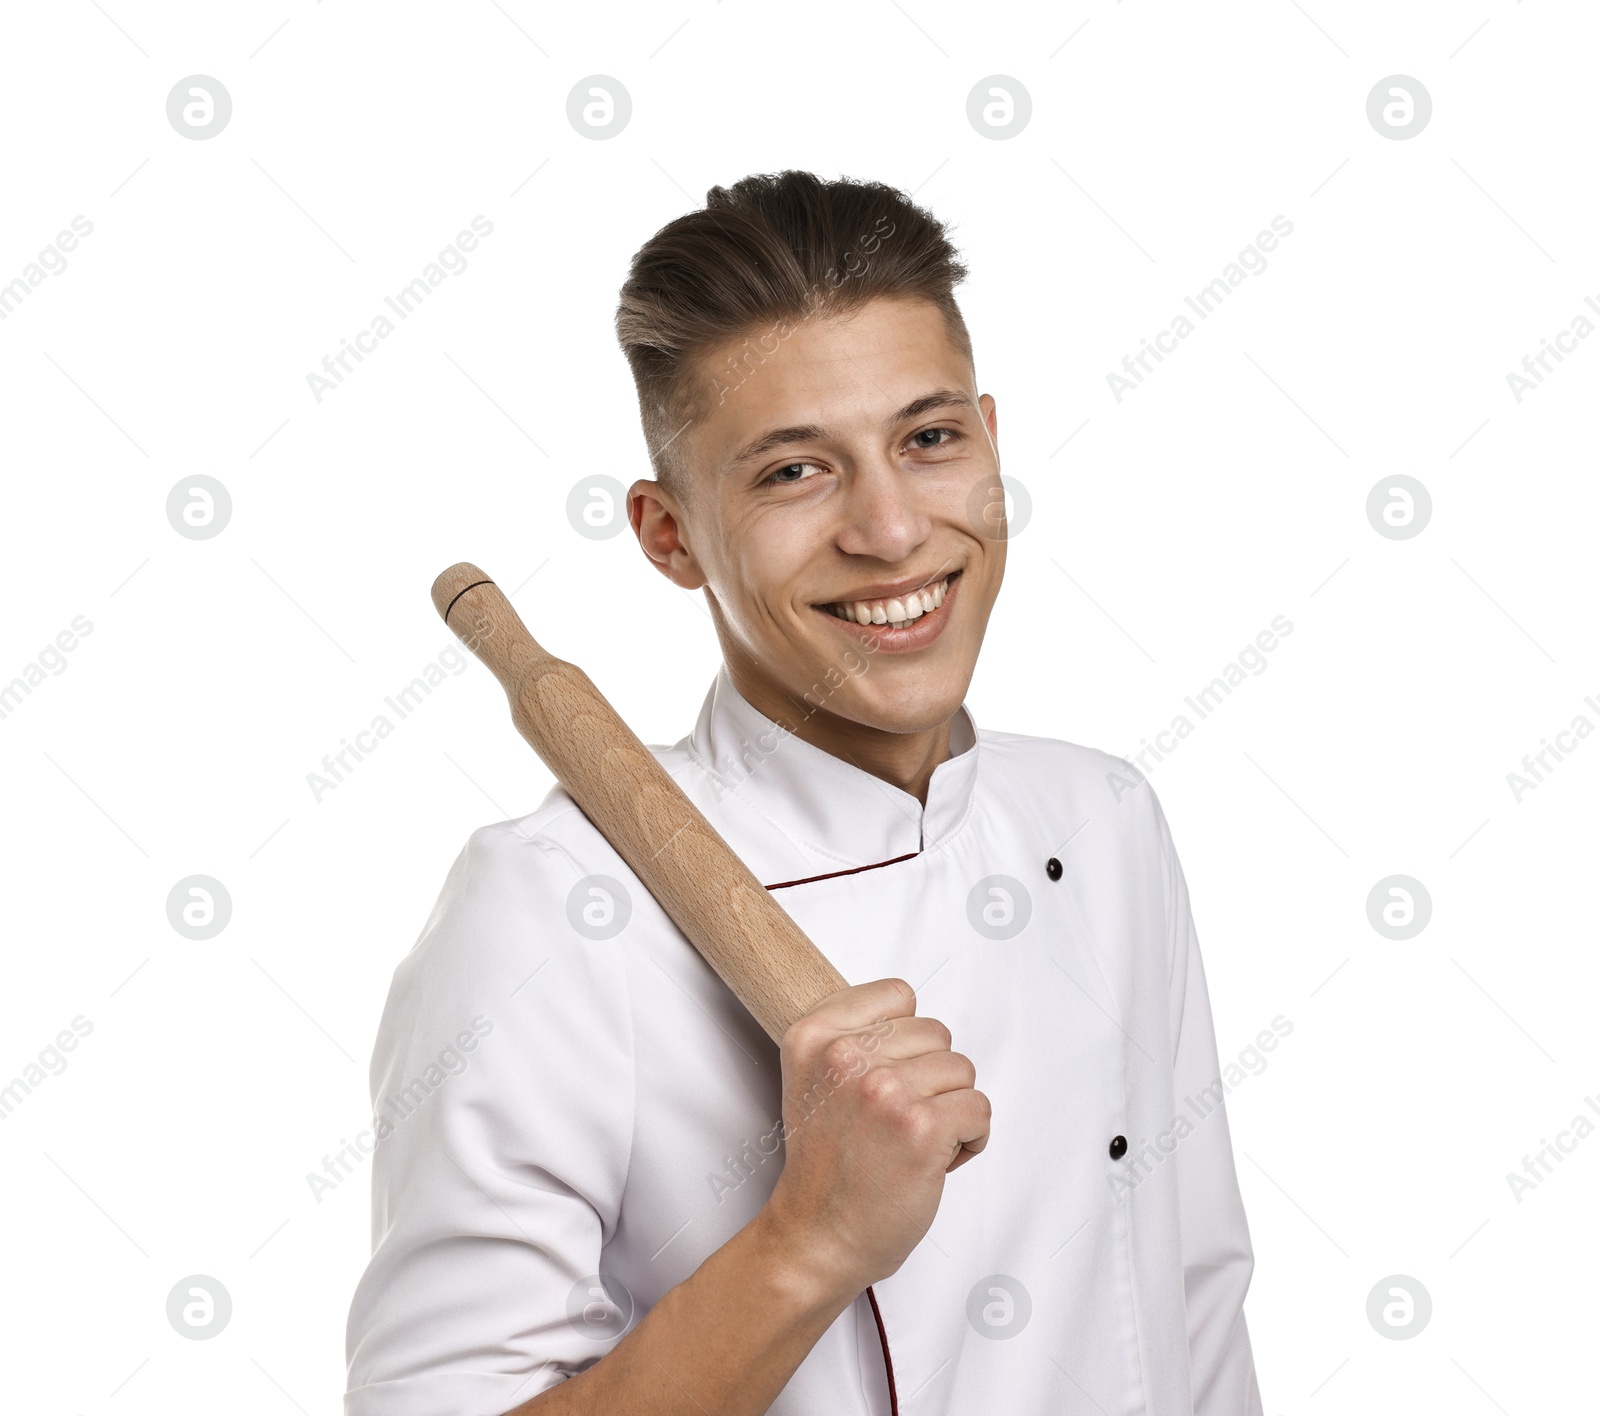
<point>904,760</point>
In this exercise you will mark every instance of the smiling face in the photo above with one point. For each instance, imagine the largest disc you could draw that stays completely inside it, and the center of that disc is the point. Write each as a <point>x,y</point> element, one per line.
<point>844,516</point>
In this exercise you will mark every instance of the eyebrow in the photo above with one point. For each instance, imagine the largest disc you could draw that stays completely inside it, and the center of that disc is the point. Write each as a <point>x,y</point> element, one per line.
<point>815,432</point>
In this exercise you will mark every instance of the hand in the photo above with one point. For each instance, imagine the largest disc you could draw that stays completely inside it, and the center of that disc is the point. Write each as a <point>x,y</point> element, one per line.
<point>877,1111</point>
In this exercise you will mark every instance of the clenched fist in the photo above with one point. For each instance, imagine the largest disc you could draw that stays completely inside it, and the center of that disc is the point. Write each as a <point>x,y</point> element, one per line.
<point>877,1111</point>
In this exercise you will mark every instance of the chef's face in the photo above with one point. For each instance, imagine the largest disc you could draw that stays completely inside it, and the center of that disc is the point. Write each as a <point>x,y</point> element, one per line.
<point>843,516</point>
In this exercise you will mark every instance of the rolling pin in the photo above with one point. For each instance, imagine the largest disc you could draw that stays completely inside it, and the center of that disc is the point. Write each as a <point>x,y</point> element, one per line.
<point>706,890</point>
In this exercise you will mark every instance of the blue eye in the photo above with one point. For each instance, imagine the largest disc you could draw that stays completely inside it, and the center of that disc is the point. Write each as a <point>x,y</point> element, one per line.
<point>779,479</point>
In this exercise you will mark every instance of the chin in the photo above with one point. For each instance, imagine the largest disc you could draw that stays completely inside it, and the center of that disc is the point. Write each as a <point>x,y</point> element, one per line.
<point>918,705</point>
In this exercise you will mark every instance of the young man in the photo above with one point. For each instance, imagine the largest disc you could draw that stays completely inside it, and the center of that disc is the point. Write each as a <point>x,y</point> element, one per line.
<point>624,1198</point>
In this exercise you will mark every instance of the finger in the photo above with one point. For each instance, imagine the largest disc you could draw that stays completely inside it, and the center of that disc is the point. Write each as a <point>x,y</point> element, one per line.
<point>935,1073</point>
<point>963,1155</point>
<point>894,1039</point>
<point>859,1007</point>
<point>963,1118</point>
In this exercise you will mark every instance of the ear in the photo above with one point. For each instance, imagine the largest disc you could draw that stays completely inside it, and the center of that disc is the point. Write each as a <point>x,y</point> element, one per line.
<point>987,407</point>
<point>658,521</point>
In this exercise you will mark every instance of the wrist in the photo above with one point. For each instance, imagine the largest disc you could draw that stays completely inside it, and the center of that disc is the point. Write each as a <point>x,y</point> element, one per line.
<point>807,1269</point>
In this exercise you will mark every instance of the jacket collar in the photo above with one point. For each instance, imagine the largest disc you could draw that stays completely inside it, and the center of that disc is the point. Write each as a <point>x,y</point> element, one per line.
<point>832,810</point>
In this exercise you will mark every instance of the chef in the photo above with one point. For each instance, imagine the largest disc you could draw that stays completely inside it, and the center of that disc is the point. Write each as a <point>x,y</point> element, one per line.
<point>584,1206</point>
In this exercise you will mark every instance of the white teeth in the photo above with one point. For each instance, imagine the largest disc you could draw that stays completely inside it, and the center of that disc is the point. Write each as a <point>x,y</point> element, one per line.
<point>898,610</point>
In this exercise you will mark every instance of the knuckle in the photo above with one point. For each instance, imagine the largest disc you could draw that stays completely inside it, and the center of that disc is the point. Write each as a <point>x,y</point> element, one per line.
<point>871,1037</point>
<point>882,1089</point>
<point>839,1053</point>
<point>799,1037</point>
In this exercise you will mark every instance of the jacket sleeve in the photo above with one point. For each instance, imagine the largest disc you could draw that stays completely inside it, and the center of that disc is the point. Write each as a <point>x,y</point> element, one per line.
<point>1217,1257</point>
<point>502,1089</point>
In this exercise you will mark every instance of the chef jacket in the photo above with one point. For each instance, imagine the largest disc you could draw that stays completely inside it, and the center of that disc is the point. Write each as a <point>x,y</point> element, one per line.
<point>579,1111</point>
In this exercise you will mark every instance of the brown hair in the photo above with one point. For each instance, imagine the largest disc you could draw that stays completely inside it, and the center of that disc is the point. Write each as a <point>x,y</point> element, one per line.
<point>765,254</point>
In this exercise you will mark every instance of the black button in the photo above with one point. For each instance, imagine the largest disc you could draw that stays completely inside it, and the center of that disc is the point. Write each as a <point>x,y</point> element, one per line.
<point>1052,868</point>
<point>1119,1147</point>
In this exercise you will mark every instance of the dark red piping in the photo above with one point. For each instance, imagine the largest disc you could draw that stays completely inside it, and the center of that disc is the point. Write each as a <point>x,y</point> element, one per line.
<point>883,1339</point>
<point>877,1317</point>
<point>834,874</point>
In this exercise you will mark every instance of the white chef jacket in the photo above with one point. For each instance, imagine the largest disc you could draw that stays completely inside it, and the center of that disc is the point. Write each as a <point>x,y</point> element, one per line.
<point>611,1124</point>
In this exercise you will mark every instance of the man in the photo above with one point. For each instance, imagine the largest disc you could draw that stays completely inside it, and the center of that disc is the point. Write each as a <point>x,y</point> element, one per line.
<point>625,1198</point>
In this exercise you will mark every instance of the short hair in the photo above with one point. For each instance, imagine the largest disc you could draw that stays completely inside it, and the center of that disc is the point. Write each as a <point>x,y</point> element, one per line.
<point>764,255</point>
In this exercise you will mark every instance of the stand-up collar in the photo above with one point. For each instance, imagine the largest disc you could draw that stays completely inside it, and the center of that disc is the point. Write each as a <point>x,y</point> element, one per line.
<point>822,803</point>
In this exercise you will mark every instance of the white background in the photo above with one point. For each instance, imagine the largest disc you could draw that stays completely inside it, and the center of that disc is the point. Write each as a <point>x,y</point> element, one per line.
<point>1229,488</point>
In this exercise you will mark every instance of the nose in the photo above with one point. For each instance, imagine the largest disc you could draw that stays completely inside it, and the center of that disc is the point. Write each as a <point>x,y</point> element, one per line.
<point>882,515</point>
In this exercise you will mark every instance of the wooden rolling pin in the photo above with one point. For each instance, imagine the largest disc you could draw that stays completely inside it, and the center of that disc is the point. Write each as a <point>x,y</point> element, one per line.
<point>706,890</point>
